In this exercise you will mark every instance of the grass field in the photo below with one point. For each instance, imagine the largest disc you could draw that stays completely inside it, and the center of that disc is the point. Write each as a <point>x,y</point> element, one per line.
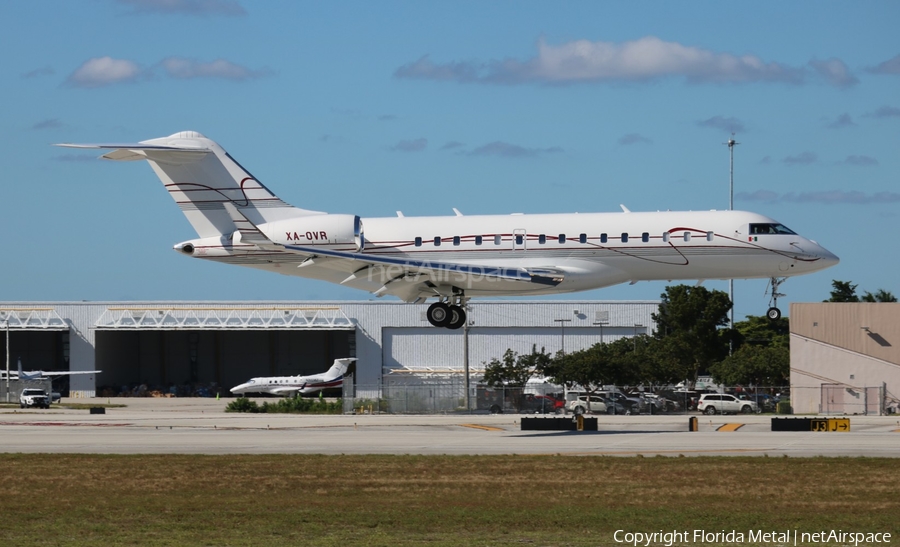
<point>51,499</point>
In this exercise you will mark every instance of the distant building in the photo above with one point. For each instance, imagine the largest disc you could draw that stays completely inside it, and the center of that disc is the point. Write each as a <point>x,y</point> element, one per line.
<point>845,358</point>
<point>201,347</point>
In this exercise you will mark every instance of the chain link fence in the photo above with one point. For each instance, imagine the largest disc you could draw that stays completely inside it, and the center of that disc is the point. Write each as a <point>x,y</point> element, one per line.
<point>447,394</point>
<point>11,393</point>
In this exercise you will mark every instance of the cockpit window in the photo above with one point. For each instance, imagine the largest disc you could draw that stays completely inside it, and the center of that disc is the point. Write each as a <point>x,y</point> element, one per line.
<point>770,229</point>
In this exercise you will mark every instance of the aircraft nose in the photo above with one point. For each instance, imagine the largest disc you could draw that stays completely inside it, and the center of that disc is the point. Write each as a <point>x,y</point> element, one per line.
<point>827,259</point>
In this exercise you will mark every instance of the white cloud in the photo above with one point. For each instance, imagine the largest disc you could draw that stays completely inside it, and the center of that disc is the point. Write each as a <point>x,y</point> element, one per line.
<point>645,59</point>
<point>842,121</point>
<point>507,150</point>
<point>415,145</point>
<point>103,71</point>
<point>803,158</point>
<point>633,138</point>
<point>860,160</point>
<point>891,66</point>
<point>50,123</point>
<point>835,72</point>
<point>729,125</point>
<point>884,112</point>
<point>185,7</point>
<point>181,68</point>
<point>826,197</point>
<point>38,72</point>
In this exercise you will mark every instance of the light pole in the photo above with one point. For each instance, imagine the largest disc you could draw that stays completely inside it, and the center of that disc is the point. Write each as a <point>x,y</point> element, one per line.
<point>600,324</point>
<point>7,356</point>
<point>731,144</point>
<point>634,338</point>
<point>562,324</point>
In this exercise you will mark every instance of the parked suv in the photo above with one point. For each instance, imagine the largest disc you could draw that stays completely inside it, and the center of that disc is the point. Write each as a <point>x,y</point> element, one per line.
<point>582,405</point>
<point>34,397</point>
<point>723,403</point>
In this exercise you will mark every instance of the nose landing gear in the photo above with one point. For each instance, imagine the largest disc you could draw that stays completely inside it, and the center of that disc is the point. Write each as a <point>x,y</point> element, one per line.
<point>449,313</point>
<point>773,313</point>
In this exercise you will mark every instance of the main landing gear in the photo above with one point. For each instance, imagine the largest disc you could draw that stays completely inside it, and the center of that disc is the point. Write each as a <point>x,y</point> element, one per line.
<point>447,314</point>
<point>773,313</point>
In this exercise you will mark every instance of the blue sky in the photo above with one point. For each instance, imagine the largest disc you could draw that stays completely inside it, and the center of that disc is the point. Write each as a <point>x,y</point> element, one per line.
<point>490,107</point>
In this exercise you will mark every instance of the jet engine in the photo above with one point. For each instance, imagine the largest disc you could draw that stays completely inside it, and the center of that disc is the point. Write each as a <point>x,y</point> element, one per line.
<point>331,231</point>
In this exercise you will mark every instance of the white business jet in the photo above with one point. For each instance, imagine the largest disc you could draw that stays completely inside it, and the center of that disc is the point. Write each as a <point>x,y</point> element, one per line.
<point>291,385</point>
<point>454,258</point>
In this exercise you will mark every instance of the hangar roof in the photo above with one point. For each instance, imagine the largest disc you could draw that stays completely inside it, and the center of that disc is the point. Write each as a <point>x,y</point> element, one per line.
<point>31,319</point>
<point>224,318</point>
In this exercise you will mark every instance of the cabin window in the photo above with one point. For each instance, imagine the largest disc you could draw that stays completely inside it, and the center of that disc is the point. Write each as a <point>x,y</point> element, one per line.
<point>418,242</point>
<point>562,238</point>
<point>709,236</point>
<point>520,239</point>
<point>437,241</point>
<point>687,236</point>
<point>770,229</point>
<point>582,238</point>
<point>624,237</point>
<point>603,238</point>
<point>498,239</point>
<point>456,240</point>
<point>645,237</point>
<point>478,240</point>
<point>665,237</point>
<point>542,239</point>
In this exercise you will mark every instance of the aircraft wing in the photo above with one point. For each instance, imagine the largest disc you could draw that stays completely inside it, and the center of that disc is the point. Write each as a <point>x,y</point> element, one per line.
<point>37,374</point>
<point>284,390</point>
<point>413,277</point>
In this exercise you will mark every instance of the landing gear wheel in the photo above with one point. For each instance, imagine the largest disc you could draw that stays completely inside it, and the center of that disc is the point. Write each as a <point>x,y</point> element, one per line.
<point>439,315</point>
<point>774,314</point>
<point>457,317</point>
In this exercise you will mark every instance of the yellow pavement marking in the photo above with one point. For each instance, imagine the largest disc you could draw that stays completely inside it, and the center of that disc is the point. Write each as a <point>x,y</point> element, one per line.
<point>484,427</point>
<point>729,427</point>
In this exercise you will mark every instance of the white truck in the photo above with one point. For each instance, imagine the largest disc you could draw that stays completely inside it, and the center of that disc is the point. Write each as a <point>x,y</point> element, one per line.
<point>31,397</point>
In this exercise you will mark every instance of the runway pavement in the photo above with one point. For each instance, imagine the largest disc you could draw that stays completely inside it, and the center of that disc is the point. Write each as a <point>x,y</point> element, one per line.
<point>201,426</point>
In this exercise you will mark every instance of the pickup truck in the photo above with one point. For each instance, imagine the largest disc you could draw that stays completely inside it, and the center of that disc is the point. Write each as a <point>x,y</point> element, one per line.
<point>34,398</point>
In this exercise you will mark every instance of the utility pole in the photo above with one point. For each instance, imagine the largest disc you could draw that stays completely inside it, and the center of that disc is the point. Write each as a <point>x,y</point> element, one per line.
<point>731,143</point>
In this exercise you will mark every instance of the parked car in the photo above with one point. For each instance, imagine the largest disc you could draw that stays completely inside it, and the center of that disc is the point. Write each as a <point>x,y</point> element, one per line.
<point>540,404</point>
<point>723,403</point>
<point>764,401</point>
<point>584,403</point>
<point>681,400</point>
<point>614,407</point>
<point>635,405</point>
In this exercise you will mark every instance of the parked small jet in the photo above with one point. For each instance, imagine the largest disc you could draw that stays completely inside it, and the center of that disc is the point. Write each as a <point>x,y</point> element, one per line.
<point>291,385</point>
<point>38,374</point>
<point>454,258</point>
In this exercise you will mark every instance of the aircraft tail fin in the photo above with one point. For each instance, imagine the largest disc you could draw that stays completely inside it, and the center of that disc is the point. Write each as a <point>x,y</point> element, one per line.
<point>339,368</point>
<point>202,178</point>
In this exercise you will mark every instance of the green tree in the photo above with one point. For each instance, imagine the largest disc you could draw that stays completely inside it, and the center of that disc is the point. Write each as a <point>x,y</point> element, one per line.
<point>842,291</point>
<point>880,295</point>
<point>753,364</point>
<point>514,370</point>
<point>688,329</point>
<point>760,330</point>
<point>591,368</point>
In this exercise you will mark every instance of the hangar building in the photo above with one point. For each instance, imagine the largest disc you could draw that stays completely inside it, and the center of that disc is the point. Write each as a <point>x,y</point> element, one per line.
<point>845,358</point>
<point>222,344</point>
